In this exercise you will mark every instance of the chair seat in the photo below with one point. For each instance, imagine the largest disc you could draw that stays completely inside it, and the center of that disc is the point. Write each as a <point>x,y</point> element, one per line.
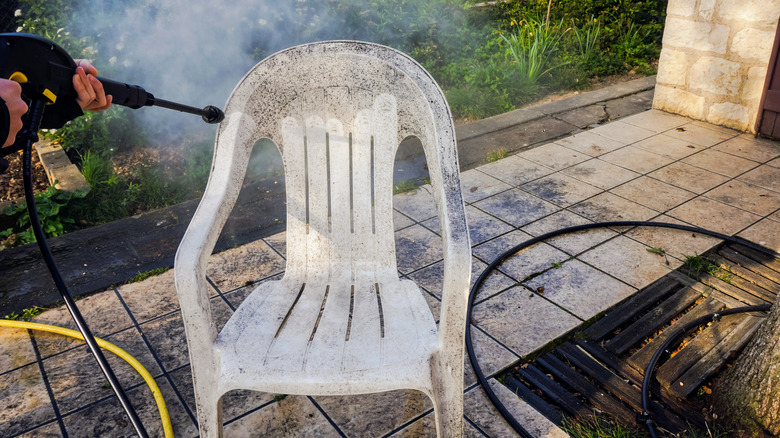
<point>329,337</point>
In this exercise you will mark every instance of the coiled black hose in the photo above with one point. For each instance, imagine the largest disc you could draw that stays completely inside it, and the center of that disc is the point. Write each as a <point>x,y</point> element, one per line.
<point>517,248</point>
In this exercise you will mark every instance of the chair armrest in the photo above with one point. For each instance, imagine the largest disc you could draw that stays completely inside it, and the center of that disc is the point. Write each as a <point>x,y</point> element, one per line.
<point>231,156</point>
<point>457,263</point>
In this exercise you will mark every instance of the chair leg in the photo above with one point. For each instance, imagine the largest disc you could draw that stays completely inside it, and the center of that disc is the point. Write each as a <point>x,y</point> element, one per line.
<point>448,400</point>
<point>209,411</point>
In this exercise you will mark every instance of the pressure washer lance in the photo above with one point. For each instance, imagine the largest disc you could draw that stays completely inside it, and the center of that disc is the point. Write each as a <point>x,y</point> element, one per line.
<point>45,72</point>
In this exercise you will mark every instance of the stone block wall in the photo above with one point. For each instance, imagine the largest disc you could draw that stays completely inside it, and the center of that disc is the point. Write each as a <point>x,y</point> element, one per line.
<point>714,59</point>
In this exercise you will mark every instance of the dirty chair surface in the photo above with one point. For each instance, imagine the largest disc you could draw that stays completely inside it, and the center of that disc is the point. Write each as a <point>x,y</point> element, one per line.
<point>340,321</point>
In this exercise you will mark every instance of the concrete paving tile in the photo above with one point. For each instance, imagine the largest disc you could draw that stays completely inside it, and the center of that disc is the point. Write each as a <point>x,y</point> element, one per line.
<point>627,260</point>
<point>103,312</point>
<point>554,156</point>
<point>50,430</point>
<point>16,349</point>
<point>24,401</point>
<point>636,159</point>
<point>590,144</point>
<point>532,261</point>
<point>491,357</point>
<point>766,233</point>
<point>751,148</point>
<point>763,176</point>
<point>669,147</point>
<point>561,189</point>
<point>107,419</point>
<point>607,207</point>
<point>775,216</point>
<point>689,177</point>
<point>432,277</point>
<point>515,170</point>
<point>713,215</point>
<point>476,185</point>
<point>571,243</point>
<point>237,296</point>
<point>278,242</point>
<point>677,244</point>
<point>292,416</point>
<point>400,221</point>
<point>167,338</point>
<point>235,267</point>
<point>774,163</point>
<point>522,320</point>
<point>234,404</point>
<point>152,297</point>
<point>76,380</point>
<point>653,193</point>
<point>482,226</point>
<point>516,207</point>
<point>706,135</point>
<point>418,204</point>
<point>748,197</point>
<point>720,162</point>
<point>623,132</point>
<point>416,247</point>
<point>600,174</point>
<point>374,414</point>
<point>481,411</point>
<point>580,289</point>
<point>490,250</point>
<point>656,120</point>
<point>426,427</point>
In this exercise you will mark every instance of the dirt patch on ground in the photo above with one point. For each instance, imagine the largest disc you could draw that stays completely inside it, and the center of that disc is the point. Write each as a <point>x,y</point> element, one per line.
<point>11,183</point>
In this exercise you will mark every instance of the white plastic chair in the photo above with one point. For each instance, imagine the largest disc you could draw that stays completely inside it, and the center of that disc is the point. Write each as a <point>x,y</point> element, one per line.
<point>340,321</point>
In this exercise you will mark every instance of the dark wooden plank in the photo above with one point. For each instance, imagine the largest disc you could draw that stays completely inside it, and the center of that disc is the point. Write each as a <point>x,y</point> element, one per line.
<point>767,259</point>
<point>554,391</point>
<point>638,303</point>
<point>746,275</point>
<point>619,387</point>
<point>732,290</point>
<point>714,360</point>
<point>532,399</point>
<point>651,321</point>
<point>641,358</point>
<point>697,348</point>
<point>705,290</point>
<point>764,264</point>
<point>595,395</point>
<point>691,413</point>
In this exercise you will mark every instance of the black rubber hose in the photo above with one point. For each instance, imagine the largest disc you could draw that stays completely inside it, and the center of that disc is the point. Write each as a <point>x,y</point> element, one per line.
<point>510,252</point>
<point>675,337</point>
<point>35,113</point>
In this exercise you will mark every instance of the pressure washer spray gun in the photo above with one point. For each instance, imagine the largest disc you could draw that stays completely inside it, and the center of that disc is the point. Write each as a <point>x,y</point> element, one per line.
<point>45,72</point>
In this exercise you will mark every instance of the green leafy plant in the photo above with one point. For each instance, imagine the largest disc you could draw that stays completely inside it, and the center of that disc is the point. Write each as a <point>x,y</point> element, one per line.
<point>598,427</point>
<point>141,276</point>
<point>49,205</point>
<point>27,314</point>
<point>495,155</point>
<point>698,265</point>
<point>532,48</point>
<point>404,186</point>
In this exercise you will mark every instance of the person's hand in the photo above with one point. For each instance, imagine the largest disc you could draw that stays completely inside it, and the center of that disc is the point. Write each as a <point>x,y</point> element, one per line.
<point>89,90</point>
<point>11,93</point>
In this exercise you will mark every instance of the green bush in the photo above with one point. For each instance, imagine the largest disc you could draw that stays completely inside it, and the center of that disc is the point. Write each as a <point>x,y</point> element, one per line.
<point>50,206</point>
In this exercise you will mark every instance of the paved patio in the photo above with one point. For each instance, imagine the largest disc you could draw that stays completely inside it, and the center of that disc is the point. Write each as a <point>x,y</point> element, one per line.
<point>650,166</point>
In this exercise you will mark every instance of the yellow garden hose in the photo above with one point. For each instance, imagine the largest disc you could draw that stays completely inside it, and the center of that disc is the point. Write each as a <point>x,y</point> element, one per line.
<point>158,398</point>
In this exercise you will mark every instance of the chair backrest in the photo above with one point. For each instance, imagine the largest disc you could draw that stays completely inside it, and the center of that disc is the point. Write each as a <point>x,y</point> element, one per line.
<point>337,111</point>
